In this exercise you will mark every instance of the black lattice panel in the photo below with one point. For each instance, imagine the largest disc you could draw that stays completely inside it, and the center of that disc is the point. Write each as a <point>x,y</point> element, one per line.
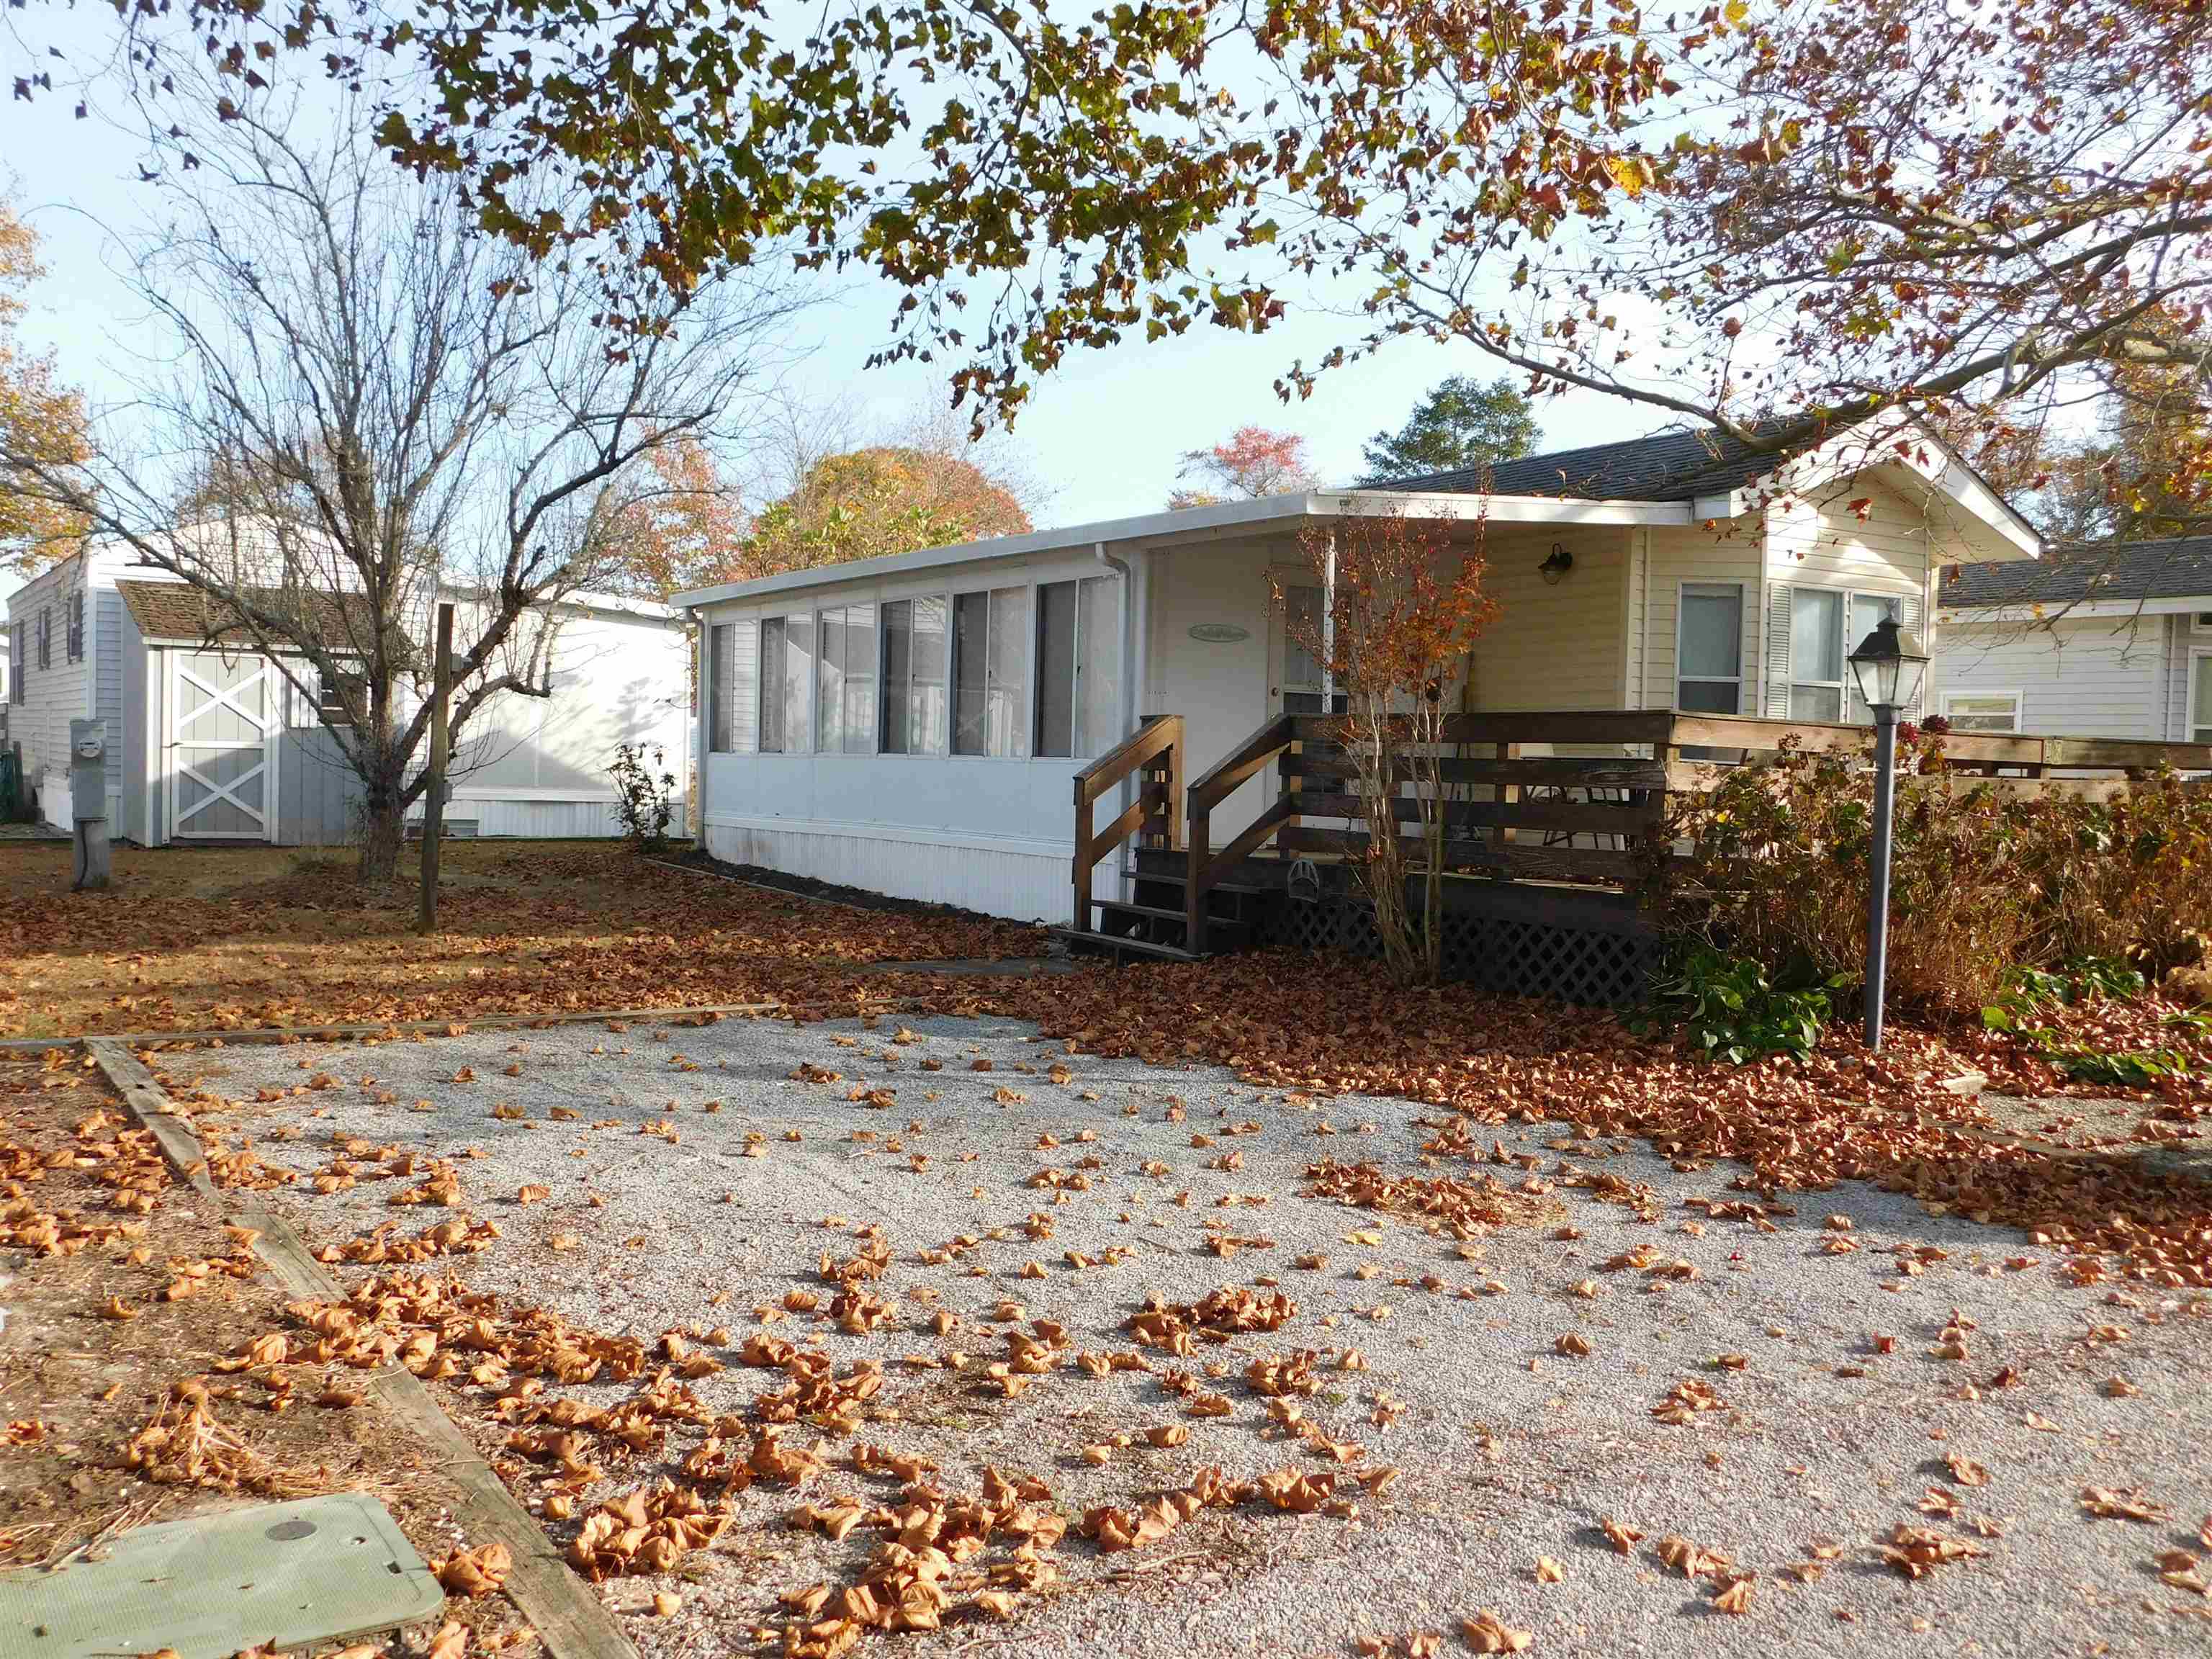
<point>1518,958</point>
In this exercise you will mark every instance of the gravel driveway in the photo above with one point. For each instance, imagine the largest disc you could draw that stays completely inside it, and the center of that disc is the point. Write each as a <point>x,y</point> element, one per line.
<point>1847,1349</point>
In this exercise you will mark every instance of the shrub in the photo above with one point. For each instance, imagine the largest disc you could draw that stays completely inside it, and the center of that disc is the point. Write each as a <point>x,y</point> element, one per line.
<point>1984,879</point>
<point>1729,1012</point>
<point>645,796</point>
<point>1778,872</point>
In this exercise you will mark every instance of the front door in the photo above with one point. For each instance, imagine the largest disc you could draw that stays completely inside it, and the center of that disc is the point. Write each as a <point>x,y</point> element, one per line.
<point>226,715</point>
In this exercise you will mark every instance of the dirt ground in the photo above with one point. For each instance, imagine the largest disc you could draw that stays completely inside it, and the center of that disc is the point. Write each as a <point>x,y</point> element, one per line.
<point>207,939</point>
<point>123,1316</point>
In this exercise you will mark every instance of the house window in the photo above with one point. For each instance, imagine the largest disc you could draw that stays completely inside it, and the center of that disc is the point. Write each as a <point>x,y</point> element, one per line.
<point>18,659</point>
<point>2200,696</point>
<point>1816,654</point>
<point>913,677</point>
<point>76,645</point>
<point>846,708</point>
<point>1983,711</point>
<point>46,637</point>
<point>787,682</point>
<point>990,673</point>
<point>336,696</point>
<point>1709,648</point>
<point>1079,659</point>
<point>2201,622</point>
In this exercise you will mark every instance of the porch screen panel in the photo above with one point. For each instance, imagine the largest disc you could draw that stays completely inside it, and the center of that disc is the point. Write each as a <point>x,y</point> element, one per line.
<point>830,704</point>
<point>722,683</point>
<point>926,725</point>
<point>774,657</point>
<point>899,677</point>
<point>798,684</point>
<point>733,693</point>
<point>970,626</point>
<point>1710,676</point>
<point>1055,633</point>
<point>1007,675</point>
<point>859,723</point>
<point>1097,667</point>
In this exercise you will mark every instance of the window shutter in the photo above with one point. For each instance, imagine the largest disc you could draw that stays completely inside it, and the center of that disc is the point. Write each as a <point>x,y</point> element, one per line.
<point>1909,618</point>
<point>1778,653</point>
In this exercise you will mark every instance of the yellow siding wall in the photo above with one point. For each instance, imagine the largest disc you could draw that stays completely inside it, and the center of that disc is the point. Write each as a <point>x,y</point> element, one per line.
<point>1554,646</point>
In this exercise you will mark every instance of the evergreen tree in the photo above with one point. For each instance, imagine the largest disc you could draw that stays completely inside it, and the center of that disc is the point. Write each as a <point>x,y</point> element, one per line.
<point>1460,424</point>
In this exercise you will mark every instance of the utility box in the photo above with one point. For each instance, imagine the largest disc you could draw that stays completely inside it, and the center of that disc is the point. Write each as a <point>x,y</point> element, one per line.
<point>88,770</point>
<point>88,801</point>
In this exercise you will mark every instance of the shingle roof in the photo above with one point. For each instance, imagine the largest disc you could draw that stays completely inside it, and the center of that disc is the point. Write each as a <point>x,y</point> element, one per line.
<point>1665,466</point>
<point>177,610</point>
<point>2179,568</point>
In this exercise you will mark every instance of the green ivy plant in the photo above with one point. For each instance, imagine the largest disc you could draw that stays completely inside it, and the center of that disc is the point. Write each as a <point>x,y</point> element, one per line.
<point>1731,1012</point>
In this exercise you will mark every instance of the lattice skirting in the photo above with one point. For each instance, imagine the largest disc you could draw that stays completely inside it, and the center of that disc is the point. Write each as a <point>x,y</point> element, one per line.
<point>1518,958</point>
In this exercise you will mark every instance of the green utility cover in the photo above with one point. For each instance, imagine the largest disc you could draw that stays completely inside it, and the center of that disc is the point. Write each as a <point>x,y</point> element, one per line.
<point>279,1574</point>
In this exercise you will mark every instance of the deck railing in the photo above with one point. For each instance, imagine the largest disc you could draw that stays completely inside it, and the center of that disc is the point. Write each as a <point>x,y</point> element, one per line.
<point>1154,753</point>
<point>1579,818</point>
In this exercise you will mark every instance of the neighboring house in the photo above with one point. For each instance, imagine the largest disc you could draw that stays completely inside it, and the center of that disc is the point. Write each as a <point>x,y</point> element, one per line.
<point>2109,641</point>
<point>912,724</point>
<point>208,741</point>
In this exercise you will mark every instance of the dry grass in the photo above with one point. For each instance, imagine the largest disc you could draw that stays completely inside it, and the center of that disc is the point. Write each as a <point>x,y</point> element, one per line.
<point>201,938</point>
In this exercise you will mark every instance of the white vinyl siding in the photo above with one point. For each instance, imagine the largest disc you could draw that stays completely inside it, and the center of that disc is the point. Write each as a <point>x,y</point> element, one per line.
<point>2085,677</point>
<point>1709,647</point>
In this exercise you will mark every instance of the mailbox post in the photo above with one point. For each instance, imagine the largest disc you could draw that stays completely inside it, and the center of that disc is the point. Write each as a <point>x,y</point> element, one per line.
<point>88,801</point>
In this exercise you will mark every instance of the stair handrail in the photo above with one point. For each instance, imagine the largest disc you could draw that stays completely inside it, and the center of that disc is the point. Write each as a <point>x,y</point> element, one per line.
<point>1160,734</point>
<point>1246,761</point>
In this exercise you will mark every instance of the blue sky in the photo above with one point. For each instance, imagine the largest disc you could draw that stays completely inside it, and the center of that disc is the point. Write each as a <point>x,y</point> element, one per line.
<point>1103,434</point>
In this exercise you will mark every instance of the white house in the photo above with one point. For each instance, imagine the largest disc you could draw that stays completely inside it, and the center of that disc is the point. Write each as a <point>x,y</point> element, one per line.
<point>208,742</point>
<point>912,724</point>
<point>2095,641</point>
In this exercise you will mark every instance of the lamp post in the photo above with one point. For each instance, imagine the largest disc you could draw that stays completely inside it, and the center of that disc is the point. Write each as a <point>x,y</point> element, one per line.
<point>1889,665</point>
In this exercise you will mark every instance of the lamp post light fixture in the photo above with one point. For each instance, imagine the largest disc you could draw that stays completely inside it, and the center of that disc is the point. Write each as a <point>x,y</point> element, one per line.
<point>1889,665</point>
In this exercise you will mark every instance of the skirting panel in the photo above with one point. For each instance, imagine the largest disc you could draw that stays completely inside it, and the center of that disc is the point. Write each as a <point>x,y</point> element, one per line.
<point>1019,885</point>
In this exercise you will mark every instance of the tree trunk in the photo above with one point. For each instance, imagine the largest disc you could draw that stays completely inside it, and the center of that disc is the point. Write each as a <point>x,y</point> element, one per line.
<point>383,826</point>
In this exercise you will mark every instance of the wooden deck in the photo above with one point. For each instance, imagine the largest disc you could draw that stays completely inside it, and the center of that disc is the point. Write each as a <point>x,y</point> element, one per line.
<point>1568,831</point>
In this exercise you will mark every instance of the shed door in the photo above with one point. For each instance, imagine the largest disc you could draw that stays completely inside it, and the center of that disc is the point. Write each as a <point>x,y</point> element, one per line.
<point>225,718</point>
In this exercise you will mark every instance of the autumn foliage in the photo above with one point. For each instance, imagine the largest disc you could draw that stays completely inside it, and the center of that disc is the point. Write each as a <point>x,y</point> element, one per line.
<point>1403,603</point>
<point>38,416</point>
<point>1249,463</point>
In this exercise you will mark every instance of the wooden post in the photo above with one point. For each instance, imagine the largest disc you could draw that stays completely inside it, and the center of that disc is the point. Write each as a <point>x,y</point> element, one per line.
<point>1176,787</point>
<point>1193,914</point>
<point>1084,857</point>
<point>433,800</point>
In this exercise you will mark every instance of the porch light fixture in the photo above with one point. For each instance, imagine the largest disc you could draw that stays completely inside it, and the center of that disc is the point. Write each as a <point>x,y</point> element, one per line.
<point>1889,665</point>
<point>1556,565</point>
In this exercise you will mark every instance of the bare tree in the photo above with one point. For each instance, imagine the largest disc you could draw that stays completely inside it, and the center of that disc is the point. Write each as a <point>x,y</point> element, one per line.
<point>370,405</point>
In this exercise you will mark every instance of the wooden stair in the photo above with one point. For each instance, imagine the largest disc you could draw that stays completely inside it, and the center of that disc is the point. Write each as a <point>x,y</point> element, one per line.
<point>1153,924</point>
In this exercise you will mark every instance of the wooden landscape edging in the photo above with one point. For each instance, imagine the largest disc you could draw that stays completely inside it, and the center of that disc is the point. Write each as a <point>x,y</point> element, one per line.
<point>281,1034</point>
<point>572,1621</point>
